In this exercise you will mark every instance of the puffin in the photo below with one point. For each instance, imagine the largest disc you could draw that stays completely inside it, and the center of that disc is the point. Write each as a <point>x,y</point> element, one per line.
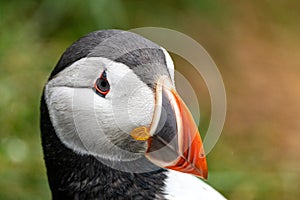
<point>114,127</point>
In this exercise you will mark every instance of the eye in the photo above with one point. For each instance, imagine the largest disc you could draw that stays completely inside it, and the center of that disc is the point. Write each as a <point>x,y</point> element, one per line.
<point>101,85</point>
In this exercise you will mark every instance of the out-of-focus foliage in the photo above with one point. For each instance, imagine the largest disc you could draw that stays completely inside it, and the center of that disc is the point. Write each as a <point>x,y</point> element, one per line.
<point>254,43</point>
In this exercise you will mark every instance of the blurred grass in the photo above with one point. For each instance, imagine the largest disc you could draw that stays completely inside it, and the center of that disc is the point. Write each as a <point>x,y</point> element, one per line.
<point>254,43</point>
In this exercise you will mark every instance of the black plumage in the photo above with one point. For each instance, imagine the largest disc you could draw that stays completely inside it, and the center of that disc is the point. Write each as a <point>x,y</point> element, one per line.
<point>74,176</point>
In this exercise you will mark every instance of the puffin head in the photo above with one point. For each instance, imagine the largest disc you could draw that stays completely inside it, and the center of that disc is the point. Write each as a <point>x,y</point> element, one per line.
<point>112,96</point>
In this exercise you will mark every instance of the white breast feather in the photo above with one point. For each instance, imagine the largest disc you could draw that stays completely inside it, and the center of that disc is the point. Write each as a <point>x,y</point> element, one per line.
<point>181,186</point>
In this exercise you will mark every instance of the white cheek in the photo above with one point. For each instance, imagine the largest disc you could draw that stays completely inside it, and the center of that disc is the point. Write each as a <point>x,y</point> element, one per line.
<point>82,73</point>
<point>132,100</point>
<point>74,114</point>
<point>60,105</point>
<point>133,109</point>
<point>141,107</point>
<point>88,123</point>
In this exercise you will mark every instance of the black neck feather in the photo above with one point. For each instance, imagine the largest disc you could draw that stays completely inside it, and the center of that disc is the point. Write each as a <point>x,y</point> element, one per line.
<point>73,176</point>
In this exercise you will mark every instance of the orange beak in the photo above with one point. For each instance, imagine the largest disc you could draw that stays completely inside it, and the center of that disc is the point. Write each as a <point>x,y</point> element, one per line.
<point>174,141</point>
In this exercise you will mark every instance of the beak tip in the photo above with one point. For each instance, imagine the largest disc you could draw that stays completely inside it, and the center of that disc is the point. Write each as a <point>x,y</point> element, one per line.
<point>202,170</point>
<point>205,174</point>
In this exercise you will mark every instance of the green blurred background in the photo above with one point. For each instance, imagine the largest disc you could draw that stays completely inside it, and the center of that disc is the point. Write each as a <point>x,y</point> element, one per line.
<point>256,45</point>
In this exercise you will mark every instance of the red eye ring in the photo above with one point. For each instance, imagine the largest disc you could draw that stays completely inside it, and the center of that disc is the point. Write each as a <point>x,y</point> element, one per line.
<point>101,86</point>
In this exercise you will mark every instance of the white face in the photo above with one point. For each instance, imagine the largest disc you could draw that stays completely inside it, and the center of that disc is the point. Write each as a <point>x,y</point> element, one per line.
<point>91,124</point>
